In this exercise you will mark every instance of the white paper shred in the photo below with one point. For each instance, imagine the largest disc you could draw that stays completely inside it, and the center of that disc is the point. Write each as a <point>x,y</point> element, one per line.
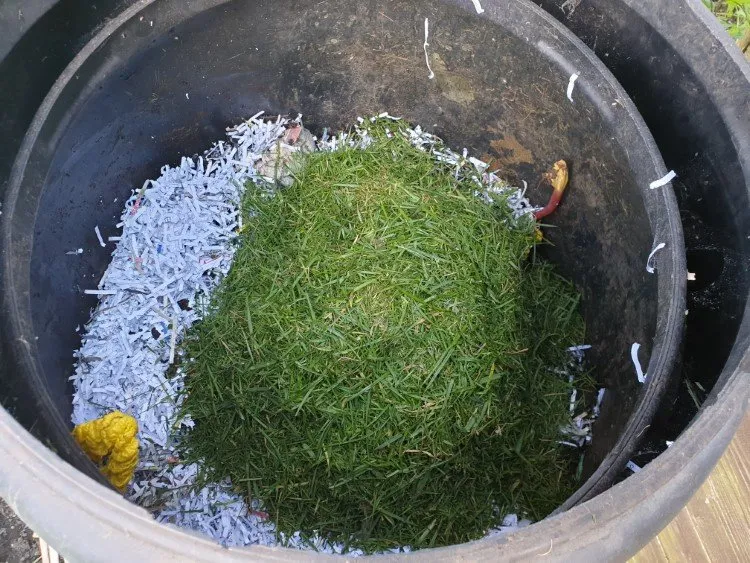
<point>573,396</point>
<point>158,284</point>
<point>425,45</point>
<point>100,292</point>
<point>649,267</point>
<point>633,467</point>
<point>571,85</point>
<point>509,523</point>
<point>478,6</point>
<point>599,399</point>
<point>663,181</point>
<point>637,363</point>
<point>172,341</point>
<point>99,236</point>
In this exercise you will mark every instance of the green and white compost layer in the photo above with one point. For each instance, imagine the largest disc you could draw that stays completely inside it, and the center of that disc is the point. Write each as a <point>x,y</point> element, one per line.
<point>384,364</point>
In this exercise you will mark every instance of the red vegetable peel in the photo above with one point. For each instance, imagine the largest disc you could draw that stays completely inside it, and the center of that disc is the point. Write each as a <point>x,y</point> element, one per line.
<point>558,177</point>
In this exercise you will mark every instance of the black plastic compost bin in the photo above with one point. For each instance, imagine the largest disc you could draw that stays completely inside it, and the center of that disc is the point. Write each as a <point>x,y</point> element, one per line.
<point>499,89</point>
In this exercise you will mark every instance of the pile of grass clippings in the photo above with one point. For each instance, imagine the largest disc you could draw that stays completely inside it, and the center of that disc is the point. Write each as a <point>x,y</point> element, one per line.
<point>377,367</point>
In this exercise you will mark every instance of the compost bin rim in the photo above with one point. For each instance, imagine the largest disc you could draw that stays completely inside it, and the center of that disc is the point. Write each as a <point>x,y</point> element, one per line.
<point>27,347</point>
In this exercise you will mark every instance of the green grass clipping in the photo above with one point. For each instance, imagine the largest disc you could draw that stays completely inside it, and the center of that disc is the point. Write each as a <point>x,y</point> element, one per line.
<point>377,367</point>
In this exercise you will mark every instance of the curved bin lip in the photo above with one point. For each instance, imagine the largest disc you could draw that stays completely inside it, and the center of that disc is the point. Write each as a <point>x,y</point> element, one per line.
<point>86,520</point>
